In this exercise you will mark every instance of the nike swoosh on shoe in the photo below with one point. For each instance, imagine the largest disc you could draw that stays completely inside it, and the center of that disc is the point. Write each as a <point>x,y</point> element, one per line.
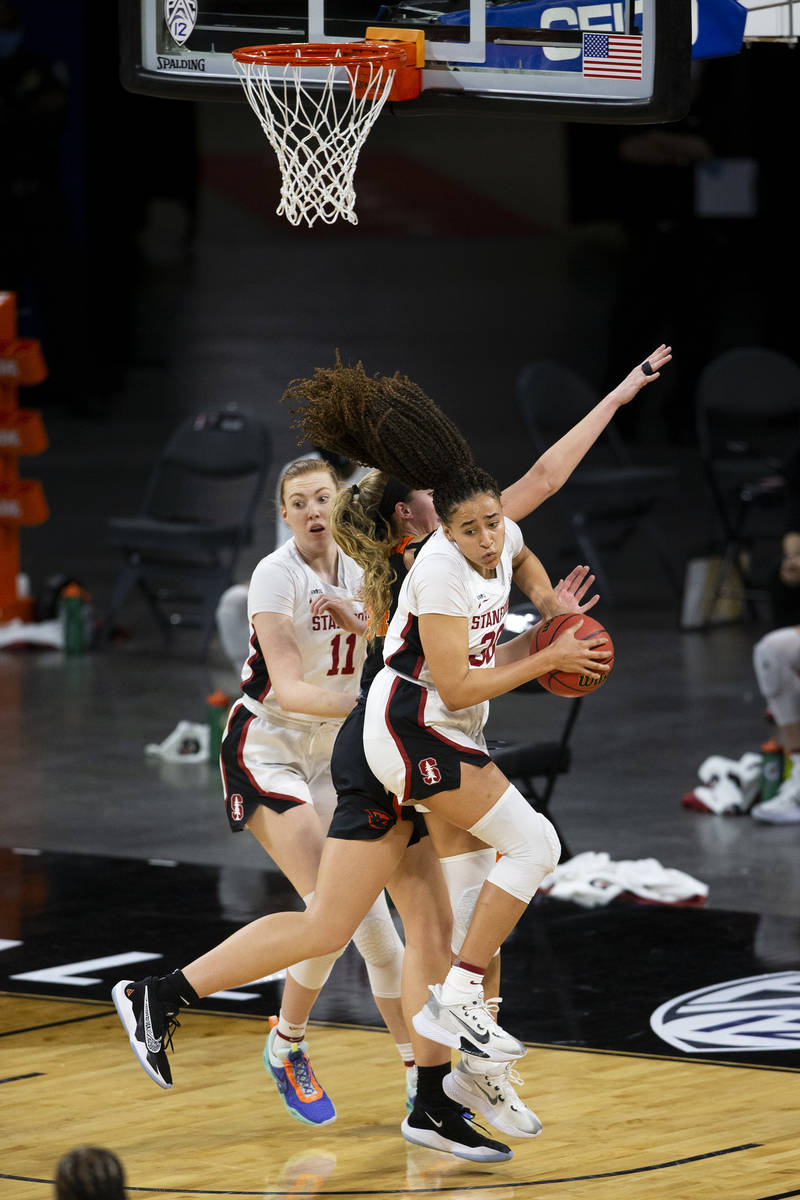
<point>483,1038</point>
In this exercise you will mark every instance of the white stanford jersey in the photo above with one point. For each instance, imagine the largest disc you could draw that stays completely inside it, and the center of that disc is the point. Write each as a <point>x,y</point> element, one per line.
<point>332,658</point>
<point>442,581</point>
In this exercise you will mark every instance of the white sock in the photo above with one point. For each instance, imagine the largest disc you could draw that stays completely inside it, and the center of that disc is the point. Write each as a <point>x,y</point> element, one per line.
<point>288,1035</point>
<point>406,1052</point>
<point>461,986</point>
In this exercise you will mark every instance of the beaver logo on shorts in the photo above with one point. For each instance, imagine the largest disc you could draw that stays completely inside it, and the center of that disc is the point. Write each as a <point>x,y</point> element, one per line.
<point>429,771</point>
<point>377,819</point>
<point>237,807</point>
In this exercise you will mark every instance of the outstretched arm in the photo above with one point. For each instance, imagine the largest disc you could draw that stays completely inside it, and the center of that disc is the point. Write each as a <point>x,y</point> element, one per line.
<point>553,469</point>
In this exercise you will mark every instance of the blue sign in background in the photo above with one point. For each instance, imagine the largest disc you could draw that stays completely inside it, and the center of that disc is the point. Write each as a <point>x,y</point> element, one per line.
<point>720,29</point>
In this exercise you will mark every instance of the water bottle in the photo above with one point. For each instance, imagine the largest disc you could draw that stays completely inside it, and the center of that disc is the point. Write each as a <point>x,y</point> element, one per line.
<point>72,607</point>
<point>217,705</point>
<point>771,768</point>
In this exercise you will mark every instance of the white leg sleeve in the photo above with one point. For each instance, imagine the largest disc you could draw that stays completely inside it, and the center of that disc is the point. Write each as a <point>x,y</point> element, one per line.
<point>233,626</point>
<point>776,661</point>
<point>381,947</point>
<point>313,973</point>
<point>526,840</point>
<point>465,875</point>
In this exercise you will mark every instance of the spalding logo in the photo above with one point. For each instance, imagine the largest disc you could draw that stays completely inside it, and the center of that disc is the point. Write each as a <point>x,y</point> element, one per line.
<point>761,1012</point>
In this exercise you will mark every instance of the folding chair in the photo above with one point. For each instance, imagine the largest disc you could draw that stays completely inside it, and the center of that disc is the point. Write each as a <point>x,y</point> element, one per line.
<point>197,514</point>
<point>747,411</point>
<point>608,498</point>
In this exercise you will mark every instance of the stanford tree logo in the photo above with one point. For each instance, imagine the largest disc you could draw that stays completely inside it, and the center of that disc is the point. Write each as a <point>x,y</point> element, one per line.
<point>761,1012</point>
<point>430,771</point>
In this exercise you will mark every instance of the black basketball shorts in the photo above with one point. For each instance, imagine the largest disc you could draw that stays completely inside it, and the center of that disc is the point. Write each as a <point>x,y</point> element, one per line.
<point>365,811</point>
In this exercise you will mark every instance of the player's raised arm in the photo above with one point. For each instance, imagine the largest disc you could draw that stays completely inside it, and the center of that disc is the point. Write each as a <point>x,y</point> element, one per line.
<point>552,470</point>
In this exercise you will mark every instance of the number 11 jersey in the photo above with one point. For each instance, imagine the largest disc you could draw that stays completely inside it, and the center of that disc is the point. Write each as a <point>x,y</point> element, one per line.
<point>284,583</point>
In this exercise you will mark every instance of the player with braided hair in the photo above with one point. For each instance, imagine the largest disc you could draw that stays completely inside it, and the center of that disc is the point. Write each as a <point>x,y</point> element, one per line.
<point>343,404</point>
<point>370,846</point>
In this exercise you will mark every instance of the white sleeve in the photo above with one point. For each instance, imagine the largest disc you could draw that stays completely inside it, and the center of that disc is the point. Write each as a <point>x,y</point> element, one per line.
<point>273,588</point>
<point>439,588</point>
<point>514,537</point>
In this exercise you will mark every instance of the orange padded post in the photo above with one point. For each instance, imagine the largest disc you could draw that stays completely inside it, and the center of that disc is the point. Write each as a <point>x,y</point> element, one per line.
<point>22,432</point>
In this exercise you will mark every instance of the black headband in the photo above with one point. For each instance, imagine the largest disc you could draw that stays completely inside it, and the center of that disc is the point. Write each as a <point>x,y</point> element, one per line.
<point>393,493</point>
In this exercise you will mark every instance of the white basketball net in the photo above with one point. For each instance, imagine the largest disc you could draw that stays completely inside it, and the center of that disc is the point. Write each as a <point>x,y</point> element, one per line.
<point>317,146</point>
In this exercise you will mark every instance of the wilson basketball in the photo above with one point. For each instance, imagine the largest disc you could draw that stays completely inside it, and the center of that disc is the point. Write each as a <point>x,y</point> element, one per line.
<point>570,683</point>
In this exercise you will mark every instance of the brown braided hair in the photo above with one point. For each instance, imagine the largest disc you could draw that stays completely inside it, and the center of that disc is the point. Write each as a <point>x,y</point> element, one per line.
<point>390,424</point>
<point>381,421</point>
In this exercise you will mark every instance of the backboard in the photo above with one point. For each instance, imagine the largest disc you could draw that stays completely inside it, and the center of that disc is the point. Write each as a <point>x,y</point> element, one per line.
<point>622,61</point>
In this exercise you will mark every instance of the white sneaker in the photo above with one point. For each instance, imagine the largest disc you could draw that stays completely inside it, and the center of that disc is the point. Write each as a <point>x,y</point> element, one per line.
<point>491,1093</point>
<point>468,1026</point>
<point>783,808</point>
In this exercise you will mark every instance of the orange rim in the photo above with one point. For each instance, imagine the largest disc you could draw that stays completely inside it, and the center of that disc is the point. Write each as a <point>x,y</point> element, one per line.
<point>324,54</point>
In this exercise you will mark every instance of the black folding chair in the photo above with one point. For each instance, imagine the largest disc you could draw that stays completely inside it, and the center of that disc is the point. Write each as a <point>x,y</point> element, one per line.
<point>747,411</point>
<point>608,498</point>
<point>197,514</point>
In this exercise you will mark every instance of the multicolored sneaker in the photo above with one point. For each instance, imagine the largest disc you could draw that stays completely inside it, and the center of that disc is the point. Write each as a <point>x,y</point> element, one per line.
<point>489,1090</point>
<point>298,1086</point>
<point>149,1025</point>
<point>451,1130</point>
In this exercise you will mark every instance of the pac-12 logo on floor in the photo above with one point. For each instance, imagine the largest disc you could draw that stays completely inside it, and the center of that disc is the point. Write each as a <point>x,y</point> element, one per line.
<point>760,1012</point>
<point>181,18</point>
<point>429,771</point>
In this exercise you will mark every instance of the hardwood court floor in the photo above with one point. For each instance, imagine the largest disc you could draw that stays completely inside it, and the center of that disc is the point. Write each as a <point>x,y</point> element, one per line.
<point>615,1125</point>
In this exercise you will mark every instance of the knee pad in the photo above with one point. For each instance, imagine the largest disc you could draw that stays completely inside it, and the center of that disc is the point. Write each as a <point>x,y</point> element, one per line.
<point>526,840</point>
<point>381,947</point>
<point>312,973</point>
<point>776,662</point>
<point>465,875</point>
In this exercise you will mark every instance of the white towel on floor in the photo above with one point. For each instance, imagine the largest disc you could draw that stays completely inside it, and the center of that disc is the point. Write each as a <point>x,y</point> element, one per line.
<point>188,742</point>
<point>593,878</point>
<point>728,786</point>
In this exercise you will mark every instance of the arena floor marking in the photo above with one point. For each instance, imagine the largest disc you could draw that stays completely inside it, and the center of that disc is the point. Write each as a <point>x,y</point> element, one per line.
<point>617,1126</point>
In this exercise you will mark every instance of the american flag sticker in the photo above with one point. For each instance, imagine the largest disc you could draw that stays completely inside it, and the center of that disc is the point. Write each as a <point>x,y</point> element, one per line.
<point>612,56</point>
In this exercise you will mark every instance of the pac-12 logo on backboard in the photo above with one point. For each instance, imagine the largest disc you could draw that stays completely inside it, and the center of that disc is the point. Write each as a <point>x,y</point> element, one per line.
<point>181,18</point>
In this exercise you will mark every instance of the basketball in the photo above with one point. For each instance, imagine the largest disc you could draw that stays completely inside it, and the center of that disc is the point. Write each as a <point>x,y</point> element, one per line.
<point>570,683</point>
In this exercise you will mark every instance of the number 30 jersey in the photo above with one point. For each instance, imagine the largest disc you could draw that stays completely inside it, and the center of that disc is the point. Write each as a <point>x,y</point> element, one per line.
<point>442,581</point>
<point>332,658</point>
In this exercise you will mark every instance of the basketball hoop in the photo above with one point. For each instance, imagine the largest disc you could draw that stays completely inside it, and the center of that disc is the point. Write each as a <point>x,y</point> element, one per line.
<point>295,90</point>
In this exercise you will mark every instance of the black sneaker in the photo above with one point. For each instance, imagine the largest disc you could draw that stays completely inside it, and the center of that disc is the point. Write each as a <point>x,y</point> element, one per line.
<point>453,1131</point>
<point>149,1024</point>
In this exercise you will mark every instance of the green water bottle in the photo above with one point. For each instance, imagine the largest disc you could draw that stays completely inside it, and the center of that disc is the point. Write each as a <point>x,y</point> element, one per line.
<point>73,618</point>
<point>771,768</point>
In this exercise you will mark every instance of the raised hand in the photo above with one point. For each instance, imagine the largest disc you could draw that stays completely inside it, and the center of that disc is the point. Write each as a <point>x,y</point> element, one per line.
<point>569,592</point>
